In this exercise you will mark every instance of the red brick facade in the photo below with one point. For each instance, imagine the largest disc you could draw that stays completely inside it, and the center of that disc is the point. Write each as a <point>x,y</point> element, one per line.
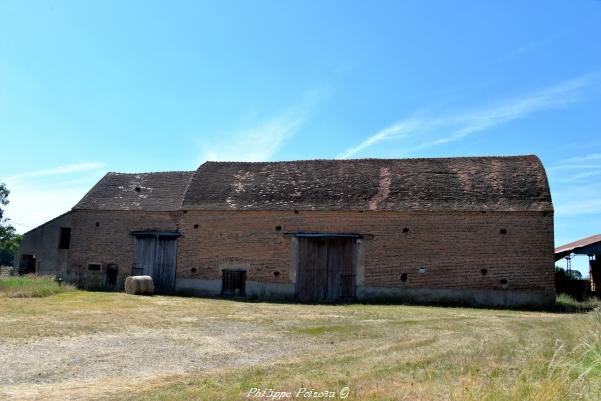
<point>104,237</point>
<point>452,247</point>
<point>459,250</point>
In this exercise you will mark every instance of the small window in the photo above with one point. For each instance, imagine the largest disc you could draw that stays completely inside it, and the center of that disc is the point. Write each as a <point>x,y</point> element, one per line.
<point>233,283</point>
<point>65,238</point>
<point>94,266</point>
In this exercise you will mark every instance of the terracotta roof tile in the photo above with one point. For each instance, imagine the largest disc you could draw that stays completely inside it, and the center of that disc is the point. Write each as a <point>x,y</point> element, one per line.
<point>145,191</point>
<point>463,183</point>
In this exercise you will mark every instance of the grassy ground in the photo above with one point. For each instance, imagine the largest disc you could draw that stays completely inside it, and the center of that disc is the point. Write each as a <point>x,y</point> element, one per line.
<point>379,352</point>
<point>31,286</point>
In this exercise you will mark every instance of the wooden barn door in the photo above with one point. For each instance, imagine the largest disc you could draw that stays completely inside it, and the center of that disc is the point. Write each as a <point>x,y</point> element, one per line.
<point>156,257</point>
<point>325,269</point>
<point>312,271</point>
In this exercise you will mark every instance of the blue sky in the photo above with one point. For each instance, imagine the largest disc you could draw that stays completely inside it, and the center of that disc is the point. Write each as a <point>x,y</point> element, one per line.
<point>90,87</point>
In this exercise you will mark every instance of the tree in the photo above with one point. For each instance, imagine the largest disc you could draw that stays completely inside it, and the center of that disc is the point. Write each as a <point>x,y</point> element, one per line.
<point>563,274</point>
<point>9,239</point>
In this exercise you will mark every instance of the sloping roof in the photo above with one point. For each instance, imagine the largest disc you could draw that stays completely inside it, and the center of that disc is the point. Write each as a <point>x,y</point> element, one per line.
<point>64,215</point>
<point>585,246</point>
<point>145,191</point>
<point>466,183</point>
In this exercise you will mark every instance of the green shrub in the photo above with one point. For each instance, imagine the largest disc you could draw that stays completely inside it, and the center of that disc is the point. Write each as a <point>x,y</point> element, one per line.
<point>31,285</point>
<point>565,303</point>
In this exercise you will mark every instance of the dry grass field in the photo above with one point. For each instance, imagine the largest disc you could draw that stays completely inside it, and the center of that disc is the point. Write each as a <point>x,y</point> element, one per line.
<point>110,346</point>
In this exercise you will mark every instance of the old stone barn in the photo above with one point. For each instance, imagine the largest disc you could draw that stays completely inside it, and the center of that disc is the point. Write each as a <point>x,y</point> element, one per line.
<point>475,230</point>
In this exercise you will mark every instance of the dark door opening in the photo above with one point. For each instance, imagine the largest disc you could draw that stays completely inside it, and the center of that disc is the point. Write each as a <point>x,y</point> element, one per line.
<point>27,264</point>
<point>233,283</point>
<point>155,256</point>
<point>326,269</point>
<point>112,271</point>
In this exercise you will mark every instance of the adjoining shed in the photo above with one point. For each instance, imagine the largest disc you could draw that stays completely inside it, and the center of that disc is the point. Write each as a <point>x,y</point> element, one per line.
<point>591,247</point>
<point>45,249</point>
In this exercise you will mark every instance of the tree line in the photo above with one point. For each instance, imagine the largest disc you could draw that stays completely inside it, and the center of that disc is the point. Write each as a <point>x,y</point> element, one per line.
<point>9,239</point>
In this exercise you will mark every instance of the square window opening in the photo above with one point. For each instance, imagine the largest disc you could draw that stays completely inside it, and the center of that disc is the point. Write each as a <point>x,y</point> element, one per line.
<point>233,283</point>
<point>94,266</point>
<point>65,238</point>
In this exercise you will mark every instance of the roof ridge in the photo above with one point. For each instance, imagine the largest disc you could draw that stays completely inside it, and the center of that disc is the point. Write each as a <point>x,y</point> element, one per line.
<point>154,172</point>
<point>370,159</point>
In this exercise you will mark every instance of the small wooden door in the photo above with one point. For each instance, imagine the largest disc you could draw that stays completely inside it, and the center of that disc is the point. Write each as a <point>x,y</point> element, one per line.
<point>156,257</point>
<point>27,264</point>
<point>326,269</point>
<point>233,283</point>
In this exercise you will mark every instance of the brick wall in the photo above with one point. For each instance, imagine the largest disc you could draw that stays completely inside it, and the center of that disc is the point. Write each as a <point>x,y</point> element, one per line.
<point>104,237</point>
<point>454,248</point>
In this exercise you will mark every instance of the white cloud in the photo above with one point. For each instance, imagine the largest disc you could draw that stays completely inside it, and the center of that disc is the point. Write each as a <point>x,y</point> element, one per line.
<point>40,195</point>
<point>578,207</point>
<point>398,130</point>
<point>464,124</point>
<point>59,170</point>
<point>254,144</point>
<point>261,140</point>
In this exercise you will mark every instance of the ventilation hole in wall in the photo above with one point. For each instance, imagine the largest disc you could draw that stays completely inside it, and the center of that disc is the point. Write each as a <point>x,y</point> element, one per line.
<point>195,225</point>
<point>404,277</point>
<point>503,231</point>
<point>278,228</point>
<point>137,189</point>
<point>545,213</point>
<point>97,224</point>
<point>194,270</point>
<point>276,274</point>
<point>185,211</point>
<point>484,211</point>
<point>503,283</point>
<point>484,271</point>
<point>405,230</point>
<point>296,212</point>
<point>360,211</point>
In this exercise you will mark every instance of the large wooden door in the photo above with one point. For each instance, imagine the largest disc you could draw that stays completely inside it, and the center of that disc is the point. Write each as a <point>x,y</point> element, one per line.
<point>325,269</point>
<point>156,257</point>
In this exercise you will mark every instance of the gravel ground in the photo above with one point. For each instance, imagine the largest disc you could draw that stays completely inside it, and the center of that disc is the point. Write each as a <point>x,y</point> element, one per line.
<point>137,355</point>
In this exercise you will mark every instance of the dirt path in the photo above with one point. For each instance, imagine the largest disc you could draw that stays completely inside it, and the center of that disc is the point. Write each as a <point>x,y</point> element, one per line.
<point>30,369</point>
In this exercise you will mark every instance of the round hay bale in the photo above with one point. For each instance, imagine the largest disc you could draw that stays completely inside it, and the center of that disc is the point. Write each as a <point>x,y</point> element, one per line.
<point>139,285</point>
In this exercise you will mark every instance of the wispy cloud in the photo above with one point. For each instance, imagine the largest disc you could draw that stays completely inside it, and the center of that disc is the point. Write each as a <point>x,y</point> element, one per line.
<point>262,139</point>
<point>256,143</point>
<point>59,170</point>
<point>418,132</point>
<point>579,192</point>
<point>398,130</point>
<point>40,195</point>
<point>578,207</point>
<point>577,160</point>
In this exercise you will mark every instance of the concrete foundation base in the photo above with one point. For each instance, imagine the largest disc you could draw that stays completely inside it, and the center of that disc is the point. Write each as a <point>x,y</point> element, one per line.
<point>468,297</point>
<point>255,289</point>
